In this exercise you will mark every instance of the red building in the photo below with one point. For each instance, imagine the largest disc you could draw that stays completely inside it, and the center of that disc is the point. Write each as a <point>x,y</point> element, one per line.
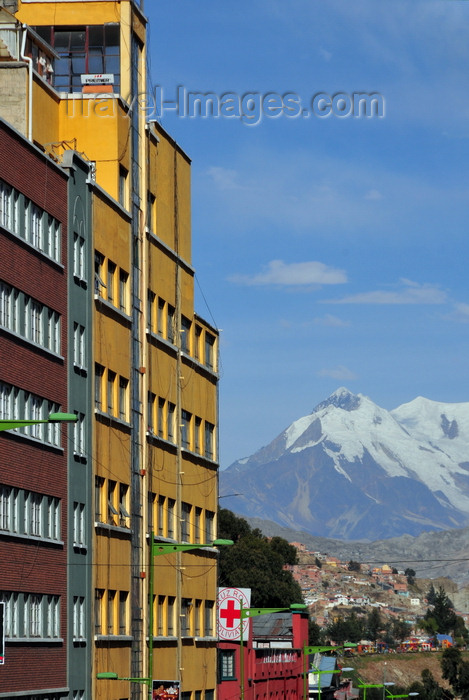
<point>273,659</point>
<point>33,384</point>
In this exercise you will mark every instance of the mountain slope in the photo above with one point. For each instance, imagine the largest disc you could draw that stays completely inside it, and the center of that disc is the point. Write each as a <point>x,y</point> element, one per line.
<point>352,470</point>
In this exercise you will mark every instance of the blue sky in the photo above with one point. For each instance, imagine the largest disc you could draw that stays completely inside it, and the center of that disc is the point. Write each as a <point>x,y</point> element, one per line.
<point>331,251</point>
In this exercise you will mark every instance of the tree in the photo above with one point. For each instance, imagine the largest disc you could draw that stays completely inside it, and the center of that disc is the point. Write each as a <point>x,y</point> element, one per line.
<point>456,671</point>
<point>410,575</point>
<point>373,625</point>
<point>431,595</point>
<point>315,635</point>
<point>429,689</point>
<point>442,617</point>
<point>252,562</point>
<point>353,565</point>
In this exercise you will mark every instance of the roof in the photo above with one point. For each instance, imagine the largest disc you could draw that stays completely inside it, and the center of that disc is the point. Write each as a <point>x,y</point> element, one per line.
<point>275,626</point>
<point>324,664</point>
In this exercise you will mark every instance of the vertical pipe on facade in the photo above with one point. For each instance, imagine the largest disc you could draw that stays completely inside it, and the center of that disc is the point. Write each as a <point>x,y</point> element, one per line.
<point>29,61</point>
<point>177,330</point>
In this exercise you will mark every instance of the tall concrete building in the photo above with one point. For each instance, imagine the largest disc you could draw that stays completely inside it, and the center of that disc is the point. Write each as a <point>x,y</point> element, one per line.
<point>137,365</point>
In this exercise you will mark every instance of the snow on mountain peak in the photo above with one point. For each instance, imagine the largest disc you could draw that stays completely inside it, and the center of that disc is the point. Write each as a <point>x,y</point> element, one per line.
<point>341,398</point>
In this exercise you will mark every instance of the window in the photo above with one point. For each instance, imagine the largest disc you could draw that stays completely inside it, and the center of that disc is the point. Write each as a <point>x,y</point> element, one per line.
<point>34,330</point>
<point>98,498</point>
<point>87,49</point>
<point>53,332</point>
<point>186,418</point>
<point>198,524</point>
<point>111,281</point>
<point>209,523</point>
<point>170,324</point>
<point>161,515</point>
<point>79,345</point>
<point>123,398</point>
<point>160,615</point>
<point>170,615</point>
<point>151,211</point>
<point>98,612</point>
<point>209,439</point>
<point>208,621</point>
<point>186,509</point>
<point>209,350</point>
<point>8,307</point>
<point>197,429</point>
<point>161,419</point>
<point>35,224</point>
<point>198,340</point>
<point>186,615</point>
<point>79,260</point>
<point>226,664</point>
<point>123,291</point>
<point>197,618</point>
<point>79,444</point>
<point>32,616</point>
<point>52,616</point>
<point>124,516</point>
<point>6,199</point>
<point>123,186</point>
<point>53,518</point>
<point>98,387</point>
<point>111,387</point>
<point>9,497</point>
<point>112,502</point>
<point>79,618</point>
<point>160,318</point>
<point>171,512</point>
<point>11,621</point>
<point>33,514</point>
<point>171,419</point>
<point>123,596</point>
<point>79,532</point>
<point>111,612</point>
<point>185,334</point>
<point>53,238</point>
<point>99,282</point>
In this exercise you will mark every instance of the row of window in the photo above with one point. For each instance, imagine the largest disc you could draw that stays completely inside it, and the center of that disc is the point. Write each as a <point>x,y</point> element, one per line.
<point>111,393</point>
<point>17,402</point>
<point>29,514</point>
<point>194,340</point>
<point>31,615</point>
<point>197,524</point>
<point>111,502</point>
<point>30,222</point>
<point>111,282</point>
<point>29,318</point>
<point>197,617</point>
<point>111,612</point>
<point>196,435</point>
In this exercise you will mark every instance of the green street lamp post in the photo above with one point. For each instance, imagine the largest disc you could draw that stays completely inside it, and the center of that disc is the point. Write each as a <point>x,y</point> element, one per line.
<point>319,650</point>
<point>11,423</point>
<point>365,686</point>
<point>158,549</point>
<point>246,613</point>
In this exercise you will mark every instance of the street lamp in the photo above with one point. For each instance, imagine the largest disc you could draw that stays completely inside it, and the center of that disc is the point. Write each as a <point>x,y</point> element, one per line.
<point>320,673</point>
<point>246,613</point>
<point>158,549</point>
<point>319,650</point>
<point>365,686</point>
<point>11,423</point>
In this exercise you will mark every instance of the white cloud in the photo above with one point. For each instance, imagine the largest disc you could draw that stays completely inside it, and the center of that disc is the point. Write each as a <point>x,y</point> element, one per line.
<point>340,372</point>
<point>330,320</point>
<point>460,313</point>
<point>224,178</point>
<point>408,293</point>
<point>293,274</point>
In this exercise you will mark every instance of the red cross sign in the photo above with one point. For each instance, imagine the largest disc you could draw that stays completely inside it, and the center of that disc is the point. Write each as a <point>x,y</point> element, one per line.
<point>229,612</point>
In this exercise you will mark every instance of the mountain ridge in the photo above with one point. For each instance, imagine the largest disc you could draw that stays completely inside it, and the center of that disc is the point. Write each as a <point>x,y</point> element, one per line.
<point>335,472</point>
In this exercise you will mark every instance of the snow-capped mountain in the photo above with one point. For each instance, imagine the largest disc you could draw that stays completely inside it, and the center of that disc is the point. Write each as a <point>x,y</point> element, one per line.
<point>352,470</point>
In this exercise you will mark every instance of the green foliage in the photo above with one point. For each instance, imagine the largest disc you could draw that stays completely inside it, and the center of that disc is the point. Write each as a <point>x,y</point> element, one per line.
<point>353,565</point>
<point>373,625</point>
<point>318,563</point>
<point>431,595</point>
<point>315,635</point>
<point>442,617</point>
<point>345,629</point>
<point>286,550</point>
<point>253,562</point>
<point>410,575</point>
<point>456,671</point>
<point>429,689</point>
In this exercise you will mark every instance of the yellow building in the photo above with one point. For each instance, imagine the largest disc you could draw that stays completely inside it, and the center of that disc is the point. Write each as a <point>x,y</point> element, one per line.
<point>150,385</point>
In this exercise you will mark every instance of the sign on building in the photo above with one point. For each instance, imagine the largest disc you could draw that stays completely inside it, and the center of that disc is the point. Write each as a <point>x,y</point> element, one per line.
<point>165,690</point>
<point>229,613</point>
